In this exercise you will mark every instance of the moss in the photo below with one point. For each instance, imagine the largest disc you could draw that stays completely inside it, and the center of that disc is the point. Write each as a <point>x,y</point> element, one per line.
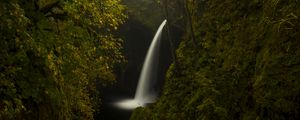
<point>245,64</point>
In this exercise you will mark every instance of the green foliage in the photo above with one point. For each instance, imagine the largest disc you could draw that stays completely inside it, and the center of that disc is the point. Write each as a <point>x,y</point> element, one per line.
<point>146,11</point>
<point>244,64</point>
<point>53,55</point>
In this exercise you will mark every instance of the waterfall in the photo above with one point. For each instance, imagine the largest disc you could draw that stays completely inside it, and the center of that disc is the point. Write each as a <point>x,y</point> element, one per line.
<point>144,92</point>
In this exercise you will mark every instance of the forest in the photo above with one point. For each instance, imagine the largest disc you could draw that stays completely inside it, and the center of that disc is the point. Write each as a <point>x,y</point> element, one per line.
<point>54,55</point>
<point>228,59</point>
<point>237,60</point>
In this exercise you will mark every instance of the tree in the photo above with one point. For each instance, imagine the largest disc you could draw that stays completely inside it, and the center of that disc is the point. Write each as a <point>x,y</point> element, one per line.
<point>246,64</point>
<point>53,52</point>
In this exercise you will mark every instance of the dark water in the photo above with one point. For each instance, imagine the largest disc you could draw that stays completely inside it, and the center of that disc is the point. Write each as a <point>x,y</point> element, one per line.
<point>110,112</point>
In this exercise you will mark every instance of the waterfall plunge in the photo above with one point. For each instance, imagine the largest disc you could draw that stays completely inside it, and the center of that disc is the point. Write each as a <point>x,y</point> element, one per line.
<point>144,93</point>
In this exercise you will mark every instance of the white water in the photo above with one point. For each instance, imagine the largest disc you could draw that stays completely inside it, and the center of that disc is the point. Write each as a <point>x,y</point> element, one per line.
<point>145,93</point>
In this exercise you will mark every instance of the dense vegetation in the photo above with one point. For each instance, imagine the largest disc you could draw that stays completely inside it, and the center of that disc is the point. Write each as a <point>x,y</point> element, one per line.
<point>53,55</point>
<point>238,59</point>
<point>145,11</point>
